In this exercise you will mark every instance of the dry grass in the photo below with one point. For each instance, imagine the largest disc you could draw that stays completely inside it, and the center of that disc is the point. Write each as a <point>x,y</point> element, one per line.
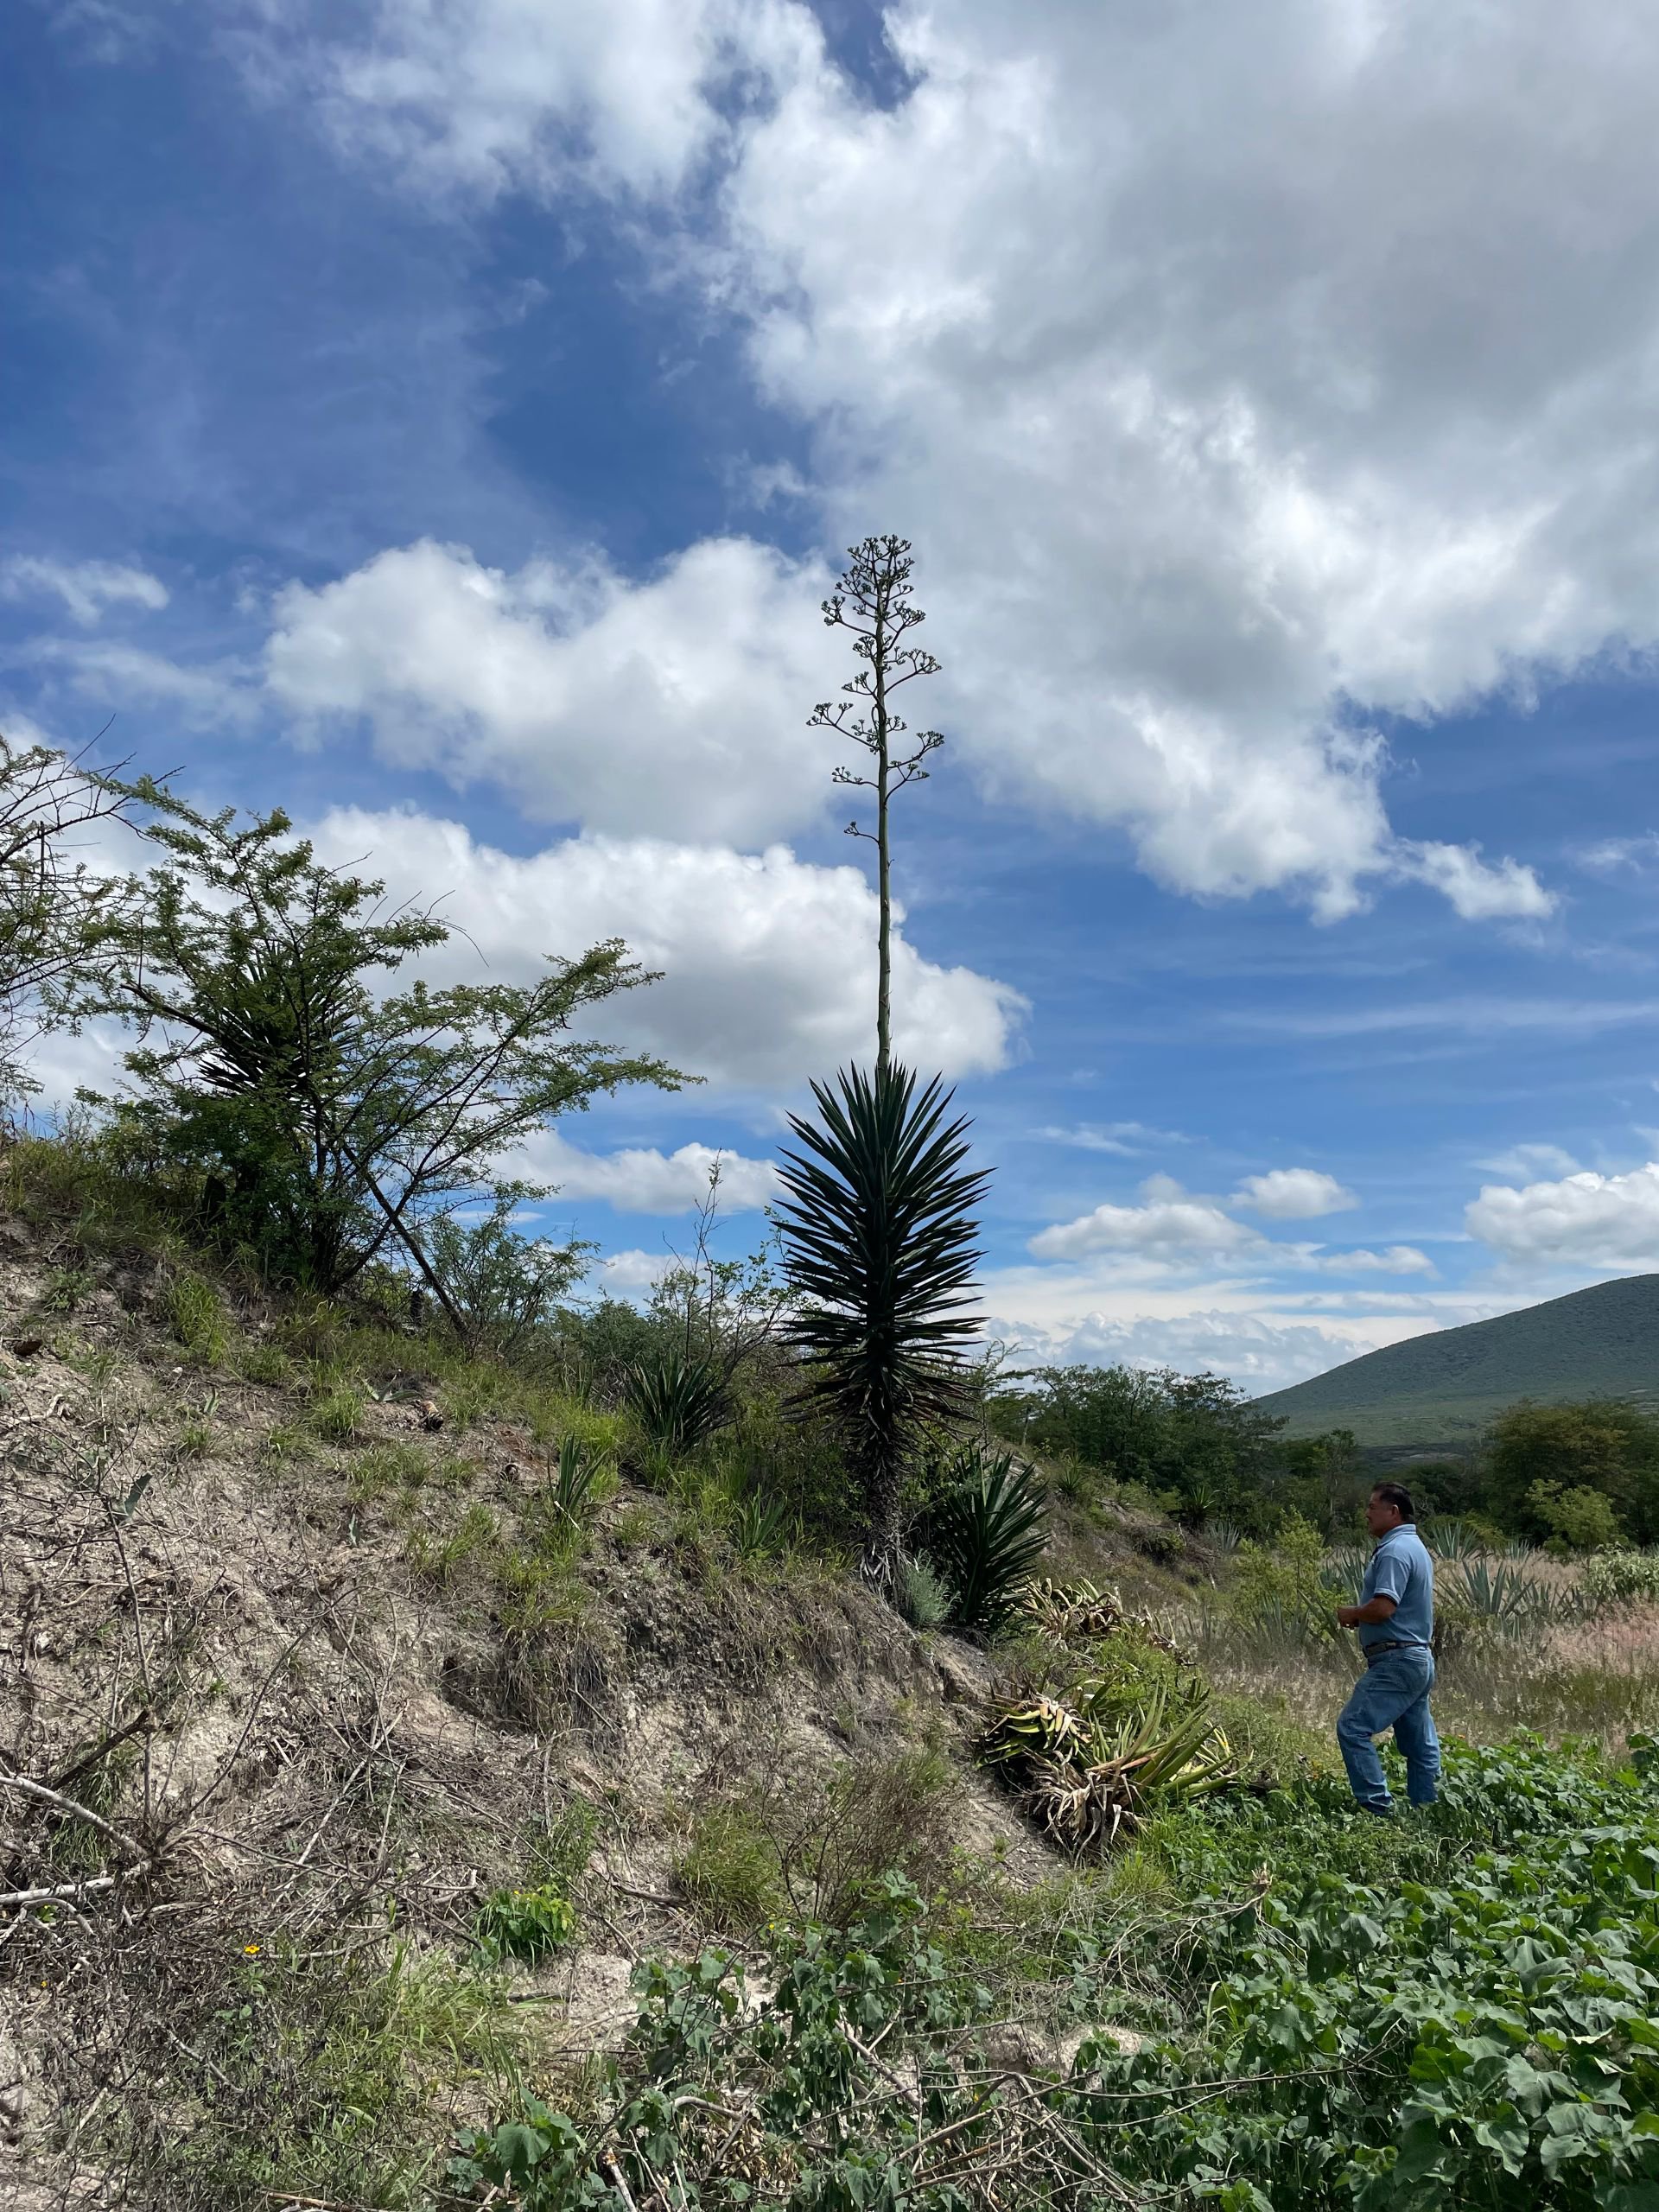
<point>1597,1677</point>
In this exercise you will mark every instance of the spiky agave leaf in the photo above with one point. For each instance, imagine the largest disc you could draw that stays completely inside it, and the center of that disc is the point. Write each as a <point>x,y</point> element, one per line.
<point>678,1401</point>
<point>988,1533</point>
<point>1084,1810</point>
<point>879,1251</point>
<point>1087,1782</point>
<point>1065,1611</point>
<point>1028,1733</point>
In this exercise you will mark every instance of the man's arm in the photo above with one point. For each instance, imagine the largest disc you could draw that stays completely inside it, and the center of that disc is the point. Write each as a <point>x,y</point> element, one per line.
<point>1371,1614</point>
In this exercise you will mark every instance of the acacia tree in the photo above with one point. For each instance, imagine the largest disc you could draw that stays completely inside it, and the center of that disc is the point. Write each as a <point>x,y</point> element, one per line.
<point>53,908</point>
<point>326,1119</point>
<point>872,601</point>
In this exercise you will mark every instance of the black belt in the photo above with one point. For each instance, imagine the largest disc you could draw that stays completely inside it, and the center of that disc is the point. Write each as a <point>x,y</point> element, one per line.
<point>1401,1644</point>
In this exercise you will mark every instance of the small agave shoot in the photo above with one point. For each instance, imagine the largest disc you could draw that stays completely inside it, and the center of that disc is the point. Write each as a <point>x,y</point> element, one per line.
<point>678,1401</point>
<point>879,1253</point>
<point>987,1536</point>
<point>762,1523</point>
<point>574,1476</point>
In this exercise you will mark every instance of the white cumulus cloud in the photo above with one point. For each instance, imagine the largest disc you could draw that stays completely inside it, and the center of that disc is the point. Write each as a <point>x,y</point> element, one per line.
<point>673,706</point>
<point>643,1179</point>
<point>632,1270</point>
<point>1259,1352</point>
<point>1176,1227</point>
<point>1240,374</point>
<point>1171,1223</point>
<point>1294,1194</point>
<point>768,962</point>
<point>1393,1260</point>
<point>1478,890</point>
<point>481,95</point>
<point>86,587</point>
<point>1604,1221</point>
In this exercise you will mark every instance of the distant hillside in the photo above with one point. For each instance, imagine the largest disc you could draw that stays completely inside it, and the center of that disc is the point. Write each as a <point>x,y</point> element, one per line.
<point>1443,1387</point>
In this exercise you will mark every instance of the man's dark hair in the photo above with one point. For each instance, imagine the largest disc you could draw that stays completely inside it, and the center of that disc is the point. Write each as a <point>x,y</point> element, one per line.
<point>1397,1494</point>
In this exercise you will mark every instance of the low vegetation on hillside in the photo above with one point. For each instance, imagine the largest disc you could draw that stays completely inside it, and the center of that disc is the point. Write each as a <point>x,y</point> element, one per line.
<point>435,1779</point>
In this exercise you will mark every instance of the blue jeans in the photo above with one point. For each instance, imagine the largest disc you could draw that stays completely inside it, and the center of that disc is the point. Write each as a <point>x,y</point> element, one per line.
<point>1392,1693</point>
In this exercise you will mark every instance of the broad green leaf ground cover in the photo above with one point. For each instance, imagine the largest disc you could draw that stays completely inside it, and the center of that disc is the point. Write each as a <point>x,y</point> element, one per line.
<point>1463,2012</point>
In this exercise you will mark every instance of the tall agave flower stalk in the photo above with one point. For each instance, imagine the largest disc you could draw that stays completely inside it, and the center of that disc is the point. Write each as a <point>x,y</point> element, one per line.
<point>880,1252</point>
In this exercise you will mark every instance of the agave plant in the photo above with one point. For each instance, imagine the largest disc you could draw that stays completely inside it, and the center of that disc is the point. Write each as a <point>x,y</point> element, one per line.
<point>1065,1612</point>
<point>986,1535</point>
<point>678,1401</point>
<point>1506,1598</point>
<point>1087,1782</point>
<point>1449,1538</point>
<point>880,1252</point>
<point>573,1477</point>
<point>1030,1733</point>
<point>1344,1571</point>
<point>761,1521</point>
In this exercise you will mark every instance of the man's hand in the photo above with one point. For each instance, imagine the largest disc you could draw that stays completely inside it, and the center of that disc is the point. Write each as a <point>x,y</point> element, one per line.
<point>1371,1614</point>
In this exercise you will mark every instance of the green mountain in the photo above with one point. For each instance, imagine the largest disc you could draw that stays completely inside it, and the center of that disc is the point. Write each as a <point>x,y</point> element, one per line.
<point>1442,1389</point>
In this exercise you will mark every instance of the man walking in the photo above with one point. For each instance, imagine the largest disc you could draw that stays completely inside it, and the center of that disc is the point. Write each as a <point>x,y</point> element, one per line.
<point>1395,1620</point>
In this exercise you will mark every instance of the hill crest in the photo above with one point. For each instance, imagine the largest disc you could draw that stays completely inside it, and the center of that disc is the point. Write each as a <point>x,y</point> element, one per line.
<point>1441,1388</point>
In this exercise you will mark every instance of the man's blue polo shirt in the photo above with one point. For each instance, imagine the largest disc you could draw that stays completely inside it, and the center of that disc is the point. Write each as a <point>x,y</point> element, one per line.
<point>1400,1569</point>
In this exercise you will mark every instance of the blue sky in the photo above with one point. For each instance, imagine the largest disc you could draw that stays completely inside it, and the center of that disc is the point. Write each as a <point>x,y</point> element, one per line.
<point>445,421</point>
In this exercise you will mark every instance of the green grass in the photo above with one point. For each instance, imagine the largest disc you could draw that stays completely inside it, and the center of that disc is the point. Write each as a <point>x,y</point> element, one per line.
<point>326,2082</point>
<point>197,1317</point>
<point>1443,1387</point>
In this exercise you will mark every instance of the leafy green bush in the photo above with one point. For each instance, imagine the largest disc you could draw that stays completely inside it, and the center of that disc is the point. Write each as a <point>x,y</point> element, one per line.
<point>1280,1589</point>
<point>307,1092</point>
<point>1195,1441</point>
<point>524,1924</point>
<point>1456,2011</point>
<point>503,1286</point>
<point>1538,1454</point>
<point>920,1596</point>
<point>1578,1520</point>
<point>985,1535</point>
<point>536,2160</point>
<point>1615,1577</point>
